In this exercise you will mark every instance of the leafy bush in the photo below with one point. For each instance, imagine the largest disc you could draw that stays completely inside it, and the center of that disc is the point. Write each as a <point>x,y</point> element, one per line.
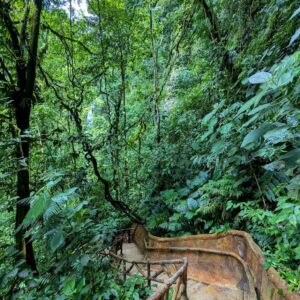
<point>251,157</point>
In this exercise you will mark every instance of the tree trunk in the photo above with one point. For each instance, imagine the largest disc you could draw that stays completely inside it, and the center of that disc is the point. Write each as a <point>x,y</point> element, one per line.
<point>216,36</point>
<point>123,93</point>
<point>155,82</point>
<point>22,102</point>
<point>22,115</point>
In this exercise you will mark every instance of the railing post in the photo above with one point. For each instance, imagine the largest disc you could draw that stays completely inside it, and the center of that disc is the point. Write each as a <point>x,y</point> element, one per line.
<point>122,240</point>
<point>184,279</point>
<point>166,296</point>
<point>148,273</point>
<point>124,270</point>
<point>129,235</point>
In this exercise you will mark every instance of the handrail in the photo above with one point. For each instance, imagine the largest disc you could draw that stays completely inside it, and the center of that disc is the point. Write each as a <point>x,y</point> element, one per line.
<point>145,262</point>
<point>181,286</point>
<point>249,277</point>
<point>180,276</point>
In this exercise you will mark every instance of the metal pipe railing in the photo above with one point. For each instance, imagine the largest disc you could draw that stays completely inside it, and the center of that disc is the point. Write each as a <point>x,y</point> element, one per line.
<point>179,278</point>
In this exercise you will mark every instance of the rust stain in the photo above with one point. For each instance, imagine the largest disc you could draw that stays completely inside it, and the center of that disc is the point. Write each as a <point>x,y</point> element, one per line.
<point>226,260</point>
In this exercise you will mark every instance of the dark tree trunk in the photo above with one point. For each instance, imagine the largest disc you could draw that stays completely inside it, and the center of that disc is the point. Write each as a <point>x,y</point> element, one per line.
<point>22,115</point>
<point>216,36</point>
<point>22,99</point>
<point>23,108</point>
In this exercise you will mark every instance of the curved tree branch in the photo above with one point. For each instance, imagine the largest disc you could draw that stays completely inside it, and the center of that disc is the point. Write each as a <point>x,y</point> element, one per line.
<point>89,153</point>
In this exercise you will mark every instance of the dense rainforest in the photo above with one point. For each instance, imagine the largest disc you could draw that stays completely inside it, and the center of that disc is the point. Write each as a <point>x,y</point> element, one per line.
<point>183,116</point>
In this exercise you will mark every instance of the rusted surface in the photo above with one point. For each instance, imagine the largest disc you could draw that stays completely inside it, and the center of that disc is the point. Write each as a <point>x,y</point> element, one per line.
<point>195,289</point>
<point>228,260</point>
<point>131,260</point>
<point>201,291</point>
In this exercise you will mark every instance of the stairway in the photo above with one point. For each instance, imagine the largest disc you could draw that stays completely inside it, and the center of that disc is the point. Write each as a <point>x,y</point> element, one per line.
<point>196,290</point>
<point>224,266</point>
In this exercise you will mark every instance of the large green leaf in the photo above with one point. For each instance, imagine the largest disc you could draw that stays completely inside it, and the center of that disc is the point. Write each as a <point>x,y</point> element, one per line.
<point>39,205</point>
<point>69,287</point>
<point>56,239</point>
<point>254,135</point>
<point>52,210</point>
<point>226,129</point>
<point>252,102</point>
<point>259,108</point>
<point>260,77</point>
<point>297,252</point>
<point>277,135</point>
<point>182,208</point>
<point>219,147</point>
<point>295,13</point>
<point>294,187</point>
<point>295,36</point>
<point>63,197</point>
<point>291,158</point>
<point>54,182</point>
<point>284,79</point>
<point>192,203</point>
<point>85,260</point>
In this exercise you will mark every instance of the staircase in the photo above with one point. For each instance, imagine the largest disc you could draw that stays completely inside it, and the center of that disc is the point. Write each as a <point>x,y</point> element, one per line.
<point>196,290</point>
<point>226,266</point>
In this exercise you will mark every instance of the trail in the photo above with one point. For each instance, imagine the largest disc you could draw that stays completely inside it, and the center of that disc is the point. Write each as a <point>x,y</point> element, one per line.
<point>226,266</point>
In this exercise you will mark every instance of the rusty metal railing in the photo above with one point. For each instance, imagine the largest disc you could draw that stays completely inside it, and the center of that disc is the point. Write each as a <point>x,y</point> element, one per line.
<point>145,268</point>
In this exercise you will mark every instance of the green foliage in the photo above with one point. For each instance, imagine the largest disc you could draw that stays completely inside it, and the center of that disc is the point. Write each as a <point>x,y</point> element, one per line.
<point>204,139</point>
<point>251,152</point>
